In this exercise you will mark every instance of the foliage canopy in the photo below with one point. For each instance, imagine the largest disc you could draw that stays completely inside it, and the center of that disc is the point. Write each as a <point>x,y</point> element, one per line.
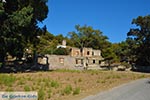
<point>19,25</point>
<point>140,39</point>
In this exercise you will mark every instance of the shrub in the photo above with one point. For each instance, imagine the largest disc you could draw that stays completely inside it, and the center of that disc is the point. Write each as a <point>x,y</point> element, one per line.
<point>79,80</point>
<point>26,88</point>
<point>67,90</point>
<point>76,91</point>
<point>54,84</point>
<point>103,81</point>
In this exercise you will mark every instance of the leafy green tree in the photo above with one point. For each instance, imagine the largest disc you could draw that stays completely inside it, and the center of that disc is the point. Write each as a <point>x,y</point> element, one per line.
<point>61,51</point>
<point>46,43</point>
<point>110,52</point>
<point>59,38</point>
<point>122,51</point>
<point>86,36</point>
<point>140,39</point>
<point>19,25</point>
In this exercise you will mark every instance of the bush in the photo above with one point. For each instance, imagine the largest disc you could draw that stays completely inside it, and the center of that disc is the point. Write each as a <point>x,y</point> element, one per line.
<point>67,90</point>
<point>76,91</point>
<point>54,84</point>
<point>79,80</point>
<point>26,88</point>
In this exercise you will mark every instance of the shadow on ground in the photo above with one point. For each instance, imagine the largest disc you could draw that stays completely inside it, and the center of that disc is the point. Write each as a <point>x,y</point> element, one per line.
<point>17,66</point>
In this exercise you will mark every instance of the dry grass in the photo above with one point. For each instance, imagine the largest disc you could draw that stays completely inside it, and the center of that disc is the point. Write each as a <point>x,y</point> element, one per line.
<point>66,84</point>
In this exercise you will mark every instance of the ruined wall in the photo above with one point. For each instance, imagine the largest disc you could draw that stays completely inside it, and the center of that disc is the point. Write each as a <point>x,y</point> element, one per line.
<point>75,52</point>
<point>89,59</point>
<point>96,52</point>
<point>61,62</point>
<point>87,52</point>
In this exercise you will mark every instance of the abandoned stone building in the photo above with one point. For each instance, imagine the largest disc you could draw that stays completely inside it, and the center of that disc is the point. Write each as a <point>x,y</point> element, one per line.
<point>87,59</point>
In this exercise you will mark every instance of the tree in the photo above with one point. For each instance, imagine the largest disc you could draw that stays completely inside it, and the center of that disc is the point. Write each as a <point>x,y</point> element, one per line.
<point>86,36</point>
<point>140,37</point>
<point>44,43</point>
<point>61,51</point>
<point>19,25</point>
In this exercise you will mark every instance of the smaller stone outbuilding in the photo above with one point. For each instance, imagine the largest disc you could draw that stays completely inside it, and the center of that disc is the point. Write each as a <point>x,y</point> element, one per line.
<point>61,62</point>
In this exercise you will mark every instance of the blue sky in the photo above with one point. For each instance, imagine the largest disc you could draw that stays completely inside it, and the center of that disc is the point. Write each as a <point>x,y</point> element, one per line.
<point>112,17</point>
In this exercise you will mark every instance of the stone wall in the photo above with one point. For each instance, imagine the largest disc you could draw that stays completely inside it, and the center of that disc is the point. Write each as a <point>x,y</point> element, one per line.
<point>89,59</point>
<point>69,62</point>
<point>87,52</point>
<point>75,52</point>
<point>61,62</point>
<point>96,52</point>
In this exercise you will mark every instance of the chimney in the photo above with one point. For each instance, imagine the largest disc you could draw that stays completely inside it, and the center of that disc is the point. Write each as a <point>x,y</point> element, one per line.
<point>64,42</point>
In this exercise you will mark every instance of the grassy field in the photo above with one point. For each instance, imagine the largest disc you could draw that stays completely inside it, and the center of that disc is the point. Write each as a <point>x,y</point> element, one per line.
<point>66,84</point>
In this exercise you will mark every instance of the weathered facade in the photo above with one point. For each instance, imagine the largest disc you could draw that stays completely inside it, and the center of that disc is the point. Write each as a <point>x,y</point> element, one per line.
<point>61,62</point>
<point>87,58</point>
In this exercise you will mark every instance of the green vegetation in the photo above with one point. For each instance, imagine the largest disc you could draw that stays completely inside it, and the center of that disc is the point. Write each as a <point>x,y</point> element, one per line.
<point>41,94</point>
<point>7,80</point>
<point>86,36</point>
<point>9,89</point>
<point>61,51</point>
<point>79,80</point>
<point>76,91</point>
<point>19,26</point>
<point>103,81</point>
<point>54,84</point>
<point>49,93</point>
<point>19,31</point>
<point>67,90</point>
<point>139,40</point>
<point>27,88</point>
